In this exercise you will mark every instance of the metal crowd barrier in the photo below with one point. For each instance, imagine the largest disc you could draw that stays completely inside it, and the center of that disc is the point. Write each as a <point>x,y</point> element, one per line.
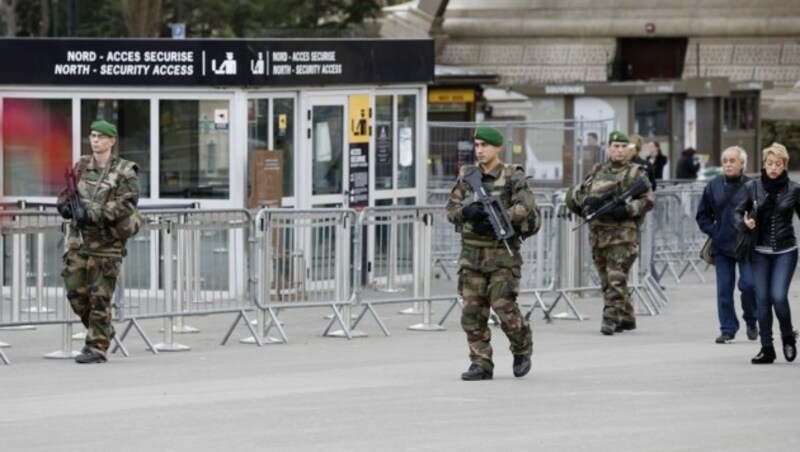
<point>677,244</point>
<point>35,294</point>
<point>303,259</point>
<point>399,257</point>
<point>188,262</point>
<point>540,260</point>
<point>185,263</point>
<point>32,239</point>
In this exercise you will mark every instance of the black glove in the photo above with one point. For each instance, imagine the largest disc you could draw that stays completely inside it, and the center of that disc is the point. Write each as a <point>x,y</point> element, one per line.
<point>483,226</point>
<point>473,212</point>
<point>65,211</point>
<point>592,203</point>
<point>81,216</point>
<point>619,213</point>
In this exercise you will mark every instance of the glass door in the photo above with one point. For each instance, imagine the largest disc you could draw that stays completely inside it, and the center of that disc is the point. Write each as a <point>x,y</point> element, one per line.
<point>326,137</point>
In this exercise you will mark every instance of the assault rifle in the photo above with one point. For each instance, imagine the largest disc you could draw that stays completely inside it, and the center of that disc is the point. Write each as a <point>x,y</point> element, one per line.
<point>74,200</point>
<point>493,206</point>
<point>637,189</point>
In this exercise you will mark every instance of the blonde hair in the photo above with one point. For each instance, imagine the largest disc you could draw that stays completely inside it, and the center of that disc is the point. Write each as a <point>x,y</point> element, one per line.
<point>776,150</point>
<point>635,144</point>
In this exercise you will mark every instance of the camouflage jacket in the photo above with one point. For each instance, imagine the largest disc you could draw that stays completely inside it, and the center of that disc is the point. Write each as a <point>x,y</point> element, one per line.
<point>613,177</point>
<point>110,196</point>
<point>510,184</point>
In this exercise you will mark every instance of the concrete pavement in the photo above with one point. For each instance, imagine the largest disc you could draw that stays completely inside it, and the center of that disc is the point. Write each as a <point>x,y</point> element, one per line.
<point>664,387</point>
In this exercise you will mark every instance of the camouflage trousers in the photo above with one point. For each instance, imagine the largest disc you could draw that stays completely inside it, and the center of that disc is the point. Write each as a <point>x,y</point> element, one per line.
<point>613,263</point>
<point>497,289</point>
<point>89,282</point>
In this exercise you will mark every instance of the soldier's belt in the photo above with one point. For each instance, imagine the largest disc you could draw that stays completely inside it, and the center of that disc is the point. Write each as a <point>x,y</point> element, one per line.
<point>486,243</point>
<point>630,224</point>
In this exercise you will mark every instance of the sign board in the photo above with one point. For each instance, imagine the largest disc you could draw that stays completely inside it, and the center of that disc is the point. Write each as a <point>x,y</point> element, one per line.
<point>360,126</point>
<point>446,96</point>
<point>178,31</point>
<point>213,62</point>
<point>359,176</point>
<point>266,177</point>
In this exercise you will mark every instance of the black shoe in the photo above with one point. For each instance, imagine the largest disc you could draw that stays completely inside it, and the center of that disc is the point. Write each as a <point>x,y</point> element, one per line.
<point>625,325</point>
<point>608,326</point>
<point>765,356</point>
<point>752,332</point>
<point>89,356</point>
<point>475,373</point>
<point>522,365</point>
<point>790,347</point>
<point>724,338</point>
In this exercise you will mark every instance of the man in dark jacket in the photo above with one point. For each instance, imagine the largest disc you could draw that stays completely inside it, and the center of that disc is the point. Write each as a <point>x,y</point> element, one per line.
<point>687,168</point>
<point>715,218</point>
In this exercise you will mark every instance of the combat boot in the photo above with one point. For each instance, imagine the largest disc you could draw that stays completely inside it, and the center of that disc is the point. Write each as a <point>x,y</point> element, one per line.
<point>89,356</point>
<point>790,347</point>
<point>608,326</point>
<point>625,325</point>
<point>522,365</point>
<point>765,356</point>
<point>476,372</point>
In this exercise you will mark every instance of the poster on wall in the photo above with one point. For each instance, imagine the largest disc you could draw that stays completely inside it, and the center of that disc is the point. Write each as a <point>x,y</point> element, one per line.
<point>383,156</point>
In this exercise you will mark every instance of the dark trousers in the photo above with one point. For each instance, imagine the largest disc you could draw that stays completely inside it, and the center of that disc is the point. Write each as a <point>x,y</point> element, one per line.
<point>772,274</point>
<point>726,280</point>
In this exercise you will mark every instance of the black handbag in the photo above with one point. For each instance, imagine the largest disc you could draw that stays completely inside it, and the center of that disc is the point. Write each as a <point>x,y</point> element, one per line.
<point>746,239</point>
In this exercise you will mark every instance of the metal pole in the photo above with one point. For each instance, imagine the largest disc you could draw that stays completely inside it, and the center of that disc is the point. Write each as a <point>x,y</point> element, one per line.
<point>169,345</point>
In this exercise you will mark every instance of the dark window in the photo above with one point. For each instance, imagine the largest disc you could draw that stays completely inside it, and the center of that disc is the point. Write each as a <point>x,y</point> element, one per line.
<point>739,113</point>
<point>651,116</point>
<point>649,59</point>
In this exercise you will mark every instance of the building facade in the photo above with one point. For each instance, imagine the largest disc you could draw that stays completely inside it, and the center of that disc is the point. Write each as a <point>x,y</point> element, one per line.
<point>702,74</point>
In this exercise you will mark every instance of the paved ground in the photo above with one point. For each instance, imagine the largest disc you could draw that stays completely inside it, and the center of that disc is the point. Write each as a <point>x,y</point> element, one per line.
<point>665,386</point>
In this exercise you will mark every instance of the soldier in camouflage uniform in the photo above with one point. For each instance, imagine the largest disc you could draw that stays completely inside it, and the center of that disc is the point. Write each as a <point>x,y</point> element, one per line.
<point>108,187</point>
<point>614,236</point>
<point>489,275</point>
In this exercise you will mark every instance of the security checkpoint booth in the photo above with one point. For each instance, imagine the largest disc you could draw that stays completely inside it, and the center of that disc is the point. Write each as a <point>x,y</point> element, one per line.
<point>229,125</point>
<point>199,115</point>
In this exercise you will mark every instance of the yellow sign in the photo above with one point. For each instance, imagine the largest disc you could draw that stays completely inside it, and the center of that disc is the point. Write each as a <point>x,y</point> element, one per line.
<point>360,116</point>
<point>450,96</point>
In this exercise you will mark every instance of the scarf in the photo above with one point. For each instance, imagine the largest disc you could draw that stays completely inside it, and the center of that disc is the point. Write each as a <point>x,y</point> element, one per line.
<point>772,187</point>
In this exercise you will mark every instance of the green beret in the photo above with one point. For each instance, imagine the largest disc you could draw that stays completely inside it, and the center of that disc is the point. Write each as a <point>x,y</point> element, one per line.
<point>489,135</point>
<point>617,136</point>
<point>105,127</point>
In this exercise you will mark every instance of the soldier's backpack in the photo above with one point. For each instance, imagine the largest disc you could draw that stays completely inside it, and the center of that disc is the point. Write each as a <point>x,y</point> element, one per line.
<point>127,227</point>
<point>533,222</point>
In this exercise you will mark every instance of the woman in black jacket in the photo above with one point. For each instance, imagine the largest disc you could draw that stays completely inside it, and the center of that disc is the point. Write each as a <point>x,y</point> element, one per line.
<point>767,210</point>
<point>657,159</point>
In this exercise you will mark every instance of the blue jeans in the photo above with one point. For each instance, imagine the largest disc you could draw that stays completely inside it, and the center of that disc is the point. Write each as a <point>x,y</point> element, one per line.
<point>773,274</point>
<point>726,278</point>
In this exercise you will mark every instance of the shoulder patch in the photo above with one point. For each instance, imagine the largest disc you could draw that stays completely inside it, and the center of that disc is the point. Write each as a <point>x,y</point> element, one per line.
<point>127,166</point>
